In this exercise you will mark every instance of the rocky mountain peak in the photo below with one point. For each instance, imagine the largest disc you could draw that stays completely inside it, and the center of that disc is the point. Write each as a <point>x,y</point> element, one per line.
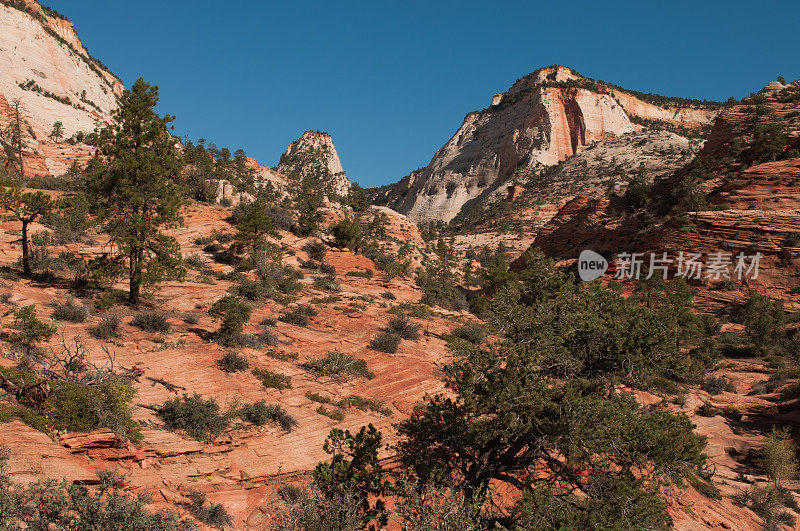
<point>313,155</point>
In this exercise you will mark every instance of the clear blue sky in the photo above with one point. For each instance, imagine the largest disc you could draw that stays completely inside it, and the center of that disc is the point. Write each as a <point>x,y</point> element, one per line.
<point>392,81</point>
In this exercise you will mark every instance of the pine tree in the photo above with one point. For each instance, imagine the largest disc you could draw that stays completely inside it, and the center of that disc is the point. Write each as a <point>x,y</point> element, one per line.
<point>26,207</point>
<point>132,180</point>
<point>58,132</point>
<point>12,140</point>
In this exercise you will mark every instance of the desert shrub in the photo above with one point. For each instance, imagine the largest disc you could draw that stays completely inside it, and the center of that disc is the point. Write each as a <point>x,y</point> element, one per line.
<point>253,290</point>
<point>328,269</point>
<point>283,278</point>
<point>260,413</point>
<point>338,364</point>
<point>70,311</point>
<point>715,385</point>
<point>763,321</point>
<point>367,273</point>
<point>316,250</point>
<point>299,315</point>
<point>195,261</point>
<point>80,407</point>
<point>778,458</point>
<point>388,295</point>
<point>732,413</point>
<point>402,326</point>
<point>385,342</point>
<point>47,504</point>
<point>214,515</point>
<point>267,337</point>
<point>333,414</point>
<point>233,313</point>
<point>707,410</point>
<point>151,322</point>
<point>471,332</point>
<point>347,233</point>
<point>273,380</point>
<point>29,330</point>
<point>232,361</point>
<point>200,418</point>
<point>327,283</point>
<point>707,489</point>
<point>108,328</point>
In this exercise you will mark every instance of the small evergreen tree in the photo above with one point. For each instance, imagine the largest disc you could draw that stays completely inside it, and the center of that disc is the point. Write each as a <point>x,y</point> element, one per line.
<point>26,207</point>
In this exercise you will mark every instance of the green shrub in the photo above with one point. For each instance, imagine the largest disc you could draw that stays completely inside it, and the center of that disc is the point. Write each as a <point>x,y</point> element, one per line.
<point>274,380</point>
<point>260,413</point>
<point>299,315</point>
<point>368,273</point>
<point>47,504</point>
<point>108,328</point>
<point>151,322</point>
<point>707,489</point>
<point>347,233</point>
<point>29,330</point>
<point>715,385</point>
<point>232,361</point>
<point>338,364</point>
<point>200,418</point>
<point>732,413</point>
<point>82,408</point>
<point>403,327</point>
<point>233,312</point>
<point>214,515</point>
<point>327,283</point>
<point>471,332</point>
<point>195,261</point>
<point>385,342</point>
<point>336,414</point>
<point>267,337</point>
<point>315,250</point>
<point>70,311</point>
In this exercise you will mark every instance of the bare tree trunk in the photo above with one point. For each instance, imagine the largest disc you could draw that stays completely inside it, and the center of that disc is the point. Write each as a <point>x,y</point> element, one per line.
<point>26,261</point>
<point>136,276</point>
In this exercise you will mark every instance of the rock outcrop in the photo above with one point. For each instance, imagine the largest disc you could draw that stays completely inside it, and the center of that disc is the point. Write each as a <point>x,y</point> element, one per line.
<point>313,155</point>
<point>544,118</point>
<point>48,71</point>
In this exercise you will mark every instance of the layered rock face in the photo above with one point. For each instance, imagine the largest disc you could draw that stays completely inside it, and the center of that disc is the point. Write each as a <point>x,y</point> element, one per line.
<point>753,207</point>
<point>52,76</point>
<point>541,120</point>
<point>313,155</point>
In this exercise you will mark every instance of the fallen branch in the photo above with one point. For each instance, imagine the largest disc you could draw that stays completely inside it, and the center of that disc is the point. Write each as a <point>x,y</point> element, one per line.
<point>170,386</point>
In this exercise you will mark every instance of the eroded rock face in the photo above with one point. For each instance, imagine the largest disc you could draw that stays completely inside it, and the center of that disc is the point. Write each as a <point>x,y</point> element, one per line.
<point>541,120</point>
<point>314,155</point>
<point>46,68</point>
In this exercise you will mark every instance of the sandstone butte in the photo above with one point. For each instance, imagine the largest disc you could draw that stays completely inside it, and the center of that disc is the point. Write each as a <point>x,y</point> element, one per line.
<point>552,123</point>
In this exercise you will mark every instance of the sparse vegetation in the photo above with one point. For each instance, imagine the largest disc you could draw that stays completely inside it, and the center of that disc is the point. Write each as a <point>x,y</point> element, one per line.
<point>108,328</point>
<point>233,361</point>
<point>199,417</point>
<point>154,322</point>
<point>260,413</point>
<point>385,341</point>
<point>338,364</point>
<point>299,315</point>
<point>271,379</point>
<point>70,311</point>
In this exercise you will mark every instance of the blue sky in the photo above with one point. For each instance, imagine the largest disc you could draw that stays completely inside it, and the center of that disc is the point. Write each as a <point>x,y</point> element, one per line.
<point>392,81</point>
